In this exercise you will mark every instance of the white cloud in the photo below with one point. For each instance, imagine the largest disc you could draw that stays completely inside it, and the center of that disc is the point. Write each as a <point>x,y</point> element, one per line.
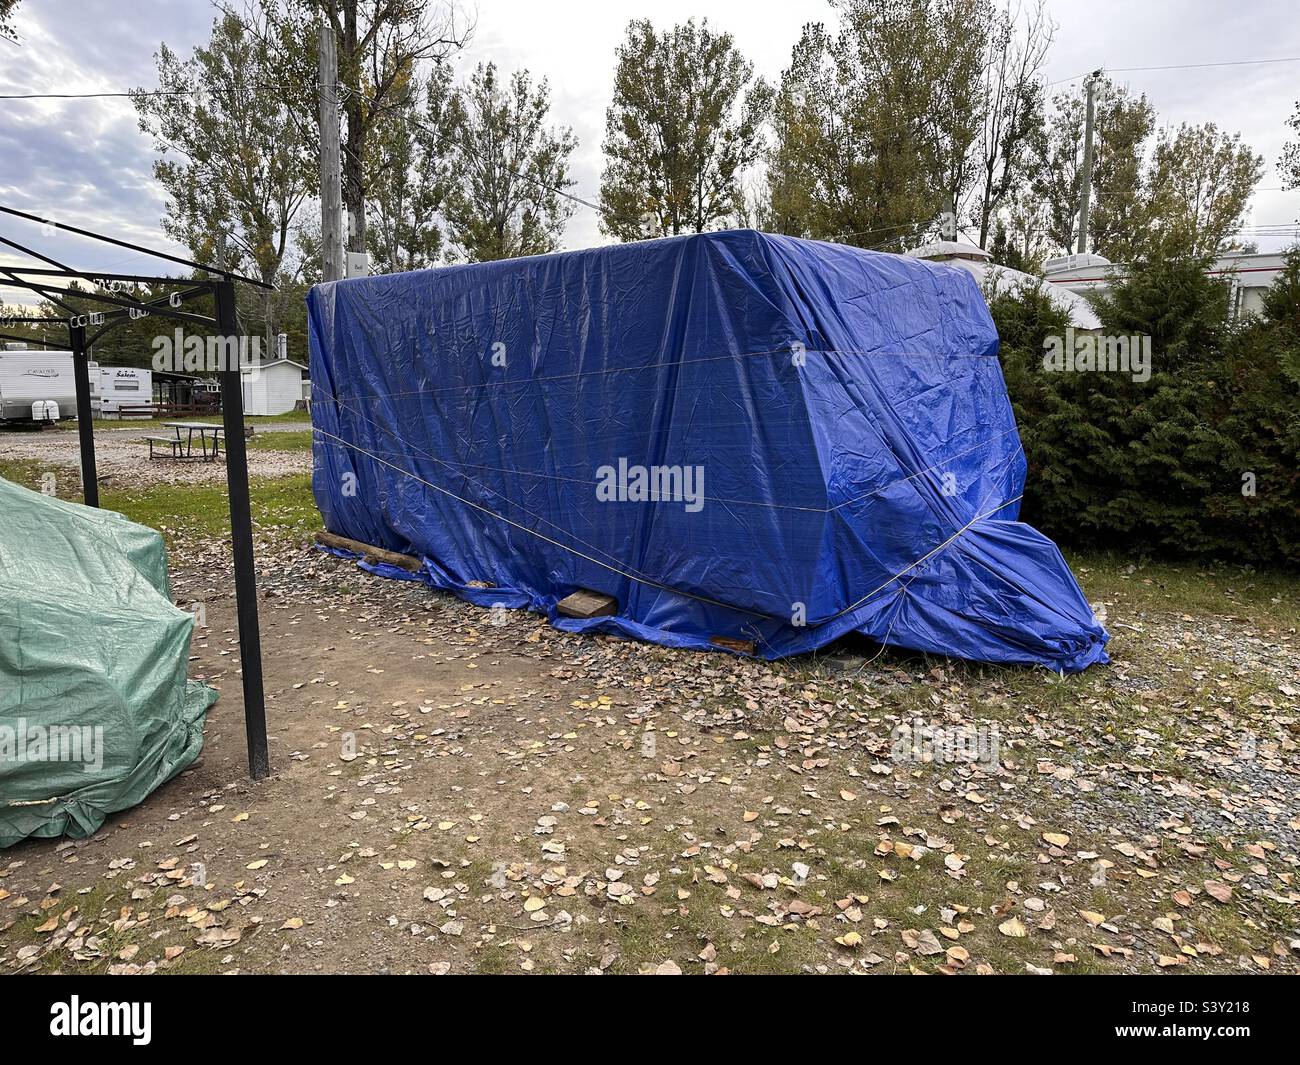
<point>86,162</point>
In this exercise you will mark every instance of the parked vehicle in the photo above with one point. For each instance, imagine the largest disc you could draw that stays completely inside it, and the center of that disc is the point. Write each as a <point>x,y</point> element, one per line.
<point>37,386</point>
<point>122,390</point>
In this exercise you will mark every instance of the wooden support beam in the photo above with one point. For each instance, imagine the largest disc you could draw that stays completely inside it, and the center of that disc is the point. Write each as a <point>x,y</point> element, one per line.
<point>369,552</point>
<point>744,647</point>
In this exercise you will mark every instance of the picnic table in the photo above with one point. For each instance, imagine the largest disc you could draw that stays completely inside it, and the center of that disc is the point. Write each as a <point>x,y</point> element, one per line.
<point>181,444</point>
<point>203,429</point>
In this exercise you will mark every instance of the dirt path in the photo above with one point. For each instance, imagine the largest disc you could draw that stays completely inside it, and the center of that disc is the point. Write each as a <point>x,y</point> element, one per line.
<point>466,791</point>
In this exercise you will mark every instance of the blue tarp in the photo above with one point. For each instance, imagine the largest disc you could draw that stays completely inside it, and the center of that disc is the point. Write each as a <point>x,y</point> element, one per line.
<point>826,430</point>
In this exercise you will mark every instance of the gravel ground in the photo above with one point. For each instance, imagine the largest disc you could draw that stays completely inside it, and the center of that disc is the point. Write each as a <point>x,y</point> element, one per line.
<point>461,790</point>
<point>122,457</point>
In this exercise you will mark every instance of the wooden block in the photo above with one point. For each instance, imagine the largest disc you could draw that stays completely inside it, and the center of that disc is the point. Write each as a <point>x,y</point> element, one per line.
<point>745,647</point>
<point>370,553</point>
<point>586,604</point>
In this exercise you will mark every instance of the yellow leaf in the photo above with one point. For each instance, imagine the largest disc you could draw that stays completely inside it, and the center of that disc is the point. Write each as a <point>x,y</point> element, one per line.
<point>1013,928</point>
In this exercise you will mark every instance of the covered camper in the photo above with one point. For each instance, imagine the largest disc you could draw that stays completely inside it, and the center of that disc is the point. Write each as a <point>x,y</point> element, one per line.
<point>95,707</point>
<point>745,440</point>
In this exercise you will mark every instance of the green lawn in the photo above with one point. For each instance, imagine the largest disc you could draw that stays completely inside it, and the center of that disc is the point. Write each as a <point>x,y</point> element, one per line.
<point>286,441</point>
<point>1190,587</point>
<point>283,505</point>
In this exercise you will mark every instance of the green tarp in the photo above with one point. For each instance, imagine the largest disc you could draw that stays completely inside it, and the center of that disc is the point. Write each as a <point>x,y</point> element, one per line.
<point>95,708</point>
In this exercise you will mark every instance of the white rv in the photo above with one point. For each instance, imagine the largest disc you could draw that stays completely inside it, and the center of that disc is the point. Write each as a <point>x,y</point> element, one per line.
<point>122,386</point>
<point>37,386</point>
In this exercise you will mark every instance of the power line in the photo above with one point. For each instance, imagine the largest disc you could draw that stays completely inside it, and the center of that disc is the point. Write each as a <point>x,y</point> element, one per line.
<point>882,229</point>
<point>1182,66</point>
<point>99,95</point>
<point>1225,63</point>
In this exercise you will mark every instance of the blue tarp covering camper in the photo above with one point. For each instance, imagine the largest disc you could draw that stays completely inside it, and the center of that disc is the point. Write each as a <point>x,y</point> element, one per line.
<point>744,439</point>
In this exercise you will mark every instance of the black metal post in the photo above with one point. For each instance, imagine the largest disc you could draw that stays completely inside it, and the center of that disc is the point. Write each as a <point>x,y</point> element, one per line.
<point>241,533</point>
<point>85,416</point>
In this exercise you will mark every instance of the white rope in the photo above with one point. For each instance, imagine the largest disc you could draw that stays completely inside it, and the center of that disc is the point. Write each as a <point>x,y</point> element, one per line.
<point>543,536</point>
<point>653,583</point>
<point>929,554</point>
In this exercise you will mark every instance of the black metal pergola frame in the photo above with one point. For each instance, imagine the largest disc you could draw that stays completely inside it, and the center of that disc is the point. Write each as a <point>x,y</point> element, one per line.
<point>50,282</point>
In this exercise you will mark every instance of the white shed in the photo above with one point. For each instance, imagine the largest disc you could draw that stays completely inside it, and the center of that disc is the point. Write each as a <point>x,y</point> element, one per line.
<point>272,387</point>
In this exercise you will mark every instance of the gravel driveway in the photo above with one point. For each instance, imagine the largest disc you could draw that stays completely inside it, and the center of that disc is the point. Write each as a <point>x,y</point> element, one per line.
<point>122,457</point>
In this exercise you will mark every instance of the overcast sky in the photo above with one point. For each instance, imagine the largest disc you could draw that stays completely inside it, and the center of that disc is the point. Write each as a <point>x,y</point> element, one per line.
<point>84,161</point>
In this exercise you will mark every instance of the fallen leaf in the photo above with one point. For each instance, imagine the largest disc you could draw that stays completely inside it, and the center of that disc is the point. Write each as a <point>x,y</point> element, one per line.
<point>1013,928</point>
<point>1218,890</point>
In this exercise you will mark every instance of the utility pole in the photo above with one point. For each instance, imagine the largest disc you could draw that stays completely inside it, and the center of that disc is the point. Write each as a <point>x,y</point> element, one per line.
<point>948,221</point>
<point>331,180</point>
<point>1085,183</point>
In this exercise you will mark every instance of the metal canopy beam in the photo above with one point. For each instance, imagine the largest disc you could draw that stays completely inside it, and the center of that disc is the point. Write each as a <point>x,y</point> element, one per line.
<point>100,297</point>
<point>33,320</point>
<point>100,275</point>
<point>135,247</point>
<point>112,318</point>
<point>16,282</point>
<point>20,340</point>
<point>241,530</point>
<point>85,424</point>
<point>36,255</point>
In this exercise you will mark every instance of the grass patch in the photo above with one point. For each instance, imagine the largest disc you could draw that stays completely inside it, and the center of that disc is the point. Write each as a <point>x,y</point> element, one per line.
<point>1191,587</point>
<point>104,913</point>
<point>297,440</point>
<point>281,505</point>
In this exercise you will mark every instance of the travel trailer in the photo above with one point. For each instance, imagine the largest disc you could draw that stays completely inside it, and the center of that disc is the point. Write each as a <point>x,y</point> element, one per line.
<point>123,387</point>
<point>37,386</point>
